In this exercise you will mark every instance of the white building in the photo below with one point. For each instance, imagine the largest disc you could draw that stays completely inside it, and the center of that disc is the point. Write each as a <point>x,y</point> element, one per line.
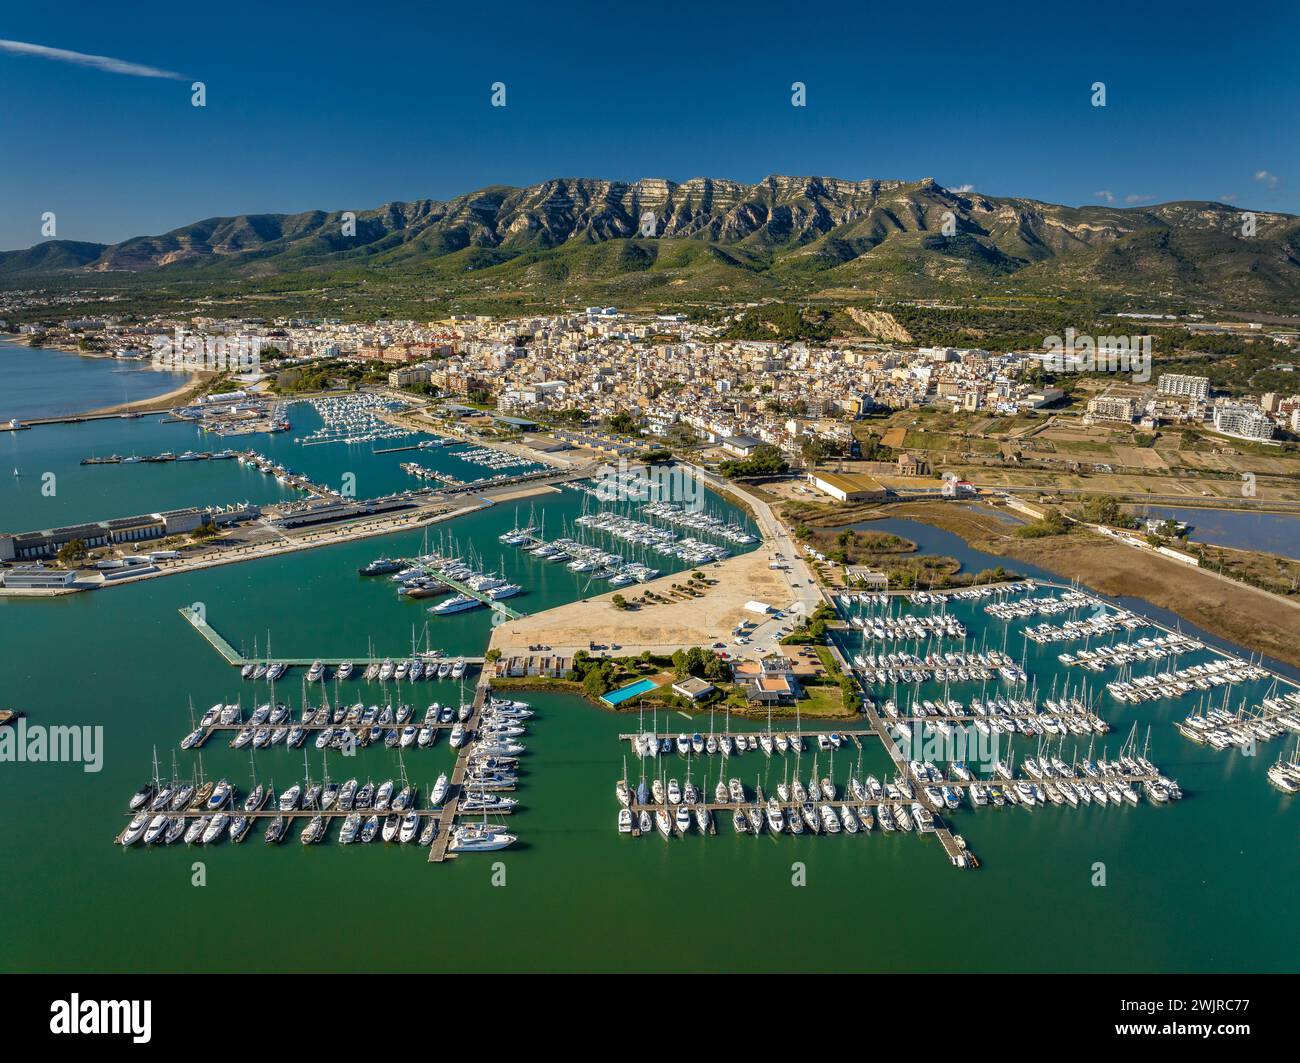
<point>1192,387</point>
<point>38,577</point>
<point>1244,422</point>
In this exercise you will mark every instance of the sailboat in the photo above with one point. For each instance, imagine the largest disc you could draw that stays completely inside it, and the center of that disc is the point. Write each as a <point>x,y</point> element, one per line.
<point>621,790</point>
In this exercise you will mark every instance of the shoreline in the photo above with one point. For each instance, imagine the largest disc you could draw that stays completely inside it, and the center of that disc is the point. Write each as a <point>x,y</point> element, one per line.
<point>320,538</point>
<point>167,400</point>
<point>543,684</point>
<point>184,566</point>
<point>193,381</point>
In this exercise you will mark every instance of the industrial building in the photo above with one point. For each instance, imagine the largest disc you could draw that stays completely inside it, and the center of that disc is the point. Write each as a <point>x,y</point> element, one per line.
<point>848,487</point>
<point>37,577</point>
<point>31,546</point>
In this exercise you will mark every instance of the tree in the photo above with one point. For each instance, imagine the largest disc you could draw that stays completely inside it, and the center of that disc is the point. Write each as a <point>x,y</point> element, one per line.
<point>623,422</point>
<point>619,602</point>
<point>206,530</point>
<point>1052,523</point>
<point>595,682</point>
<point>766,460</point>
<point>1105,509</point>
<point>814,450</point>
<point>71,552</point>
<point>679,664</point>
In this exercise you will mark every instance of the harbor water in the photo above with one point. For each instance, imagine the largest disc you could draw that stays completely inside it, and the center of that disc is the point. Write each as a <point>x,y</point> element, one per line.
<point>1202,884</point>
<point>45,383</point>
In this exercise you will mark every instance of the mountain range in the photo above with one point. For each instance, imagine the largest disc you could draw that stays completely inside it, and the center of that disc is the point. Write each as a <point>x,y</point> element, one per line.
<point>720,239</point>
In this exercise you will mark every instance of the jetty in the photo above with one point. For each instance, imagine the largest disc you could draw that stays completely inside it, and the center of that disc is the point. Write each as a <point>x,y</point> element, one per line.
<point>460,587</point>
<point>438,851</point>
<point>198,621</point>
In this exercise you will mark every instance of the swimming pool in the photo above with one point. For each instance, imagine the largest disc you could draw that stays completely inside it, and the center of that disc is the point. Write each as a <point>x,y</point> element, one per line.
<point>617,697</point>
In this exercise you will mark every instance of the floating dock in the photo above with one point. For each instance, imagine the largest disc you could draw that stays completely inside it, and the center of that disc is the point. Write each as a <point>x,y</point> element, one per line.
<point>438,851</point>
<point>853,736</point>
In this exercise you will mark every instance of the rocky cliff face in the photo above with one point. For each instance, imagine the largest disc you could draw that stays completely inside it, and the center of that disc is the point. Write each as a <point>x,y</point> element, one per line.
<point>782,226</point>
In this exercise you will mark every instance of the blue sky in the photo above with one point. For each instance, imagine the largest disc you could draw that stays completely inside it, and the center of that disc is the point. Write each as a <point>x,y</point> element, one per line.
<point>347,106</point>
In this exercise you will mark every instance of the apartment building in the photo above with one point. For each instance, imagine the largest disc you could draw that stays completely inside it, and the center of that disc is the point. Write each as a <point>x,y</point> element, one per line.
<point>1243,422</point>
<point>1184,385</point>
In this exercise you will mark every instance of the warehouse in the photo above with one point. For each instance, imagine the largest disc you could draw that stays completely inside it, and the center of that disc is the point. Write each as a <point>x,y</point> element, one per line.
<point>848,487</point>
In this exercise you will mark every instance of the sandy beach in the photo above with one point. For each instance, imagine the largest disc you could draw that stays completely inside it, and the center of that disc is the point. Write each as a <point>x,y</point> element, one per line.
<point>176,397</point>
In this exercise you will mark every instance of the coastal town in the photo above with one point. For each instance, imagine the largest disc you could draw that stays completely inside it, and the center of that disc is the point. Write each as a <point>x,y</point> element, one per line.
<point>686,379</point>
<point>836,423</point>
<point>709,491</point>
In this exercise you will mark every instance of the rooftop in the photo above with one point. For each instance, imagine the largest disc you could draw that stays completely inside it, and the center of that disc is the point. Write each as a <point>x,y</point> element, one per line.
<point>849,481</point>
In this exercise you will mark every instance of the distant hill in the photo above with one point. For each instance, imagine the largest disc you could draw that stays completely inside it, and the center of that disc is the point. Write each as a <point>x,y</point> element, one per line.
<point>726,240</point>
<point>51,257</point>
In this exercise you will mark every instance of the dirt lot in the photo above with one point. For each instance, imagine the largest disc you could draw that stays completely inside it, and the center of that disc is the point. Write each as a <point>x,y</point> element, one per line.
<point>660,628</point>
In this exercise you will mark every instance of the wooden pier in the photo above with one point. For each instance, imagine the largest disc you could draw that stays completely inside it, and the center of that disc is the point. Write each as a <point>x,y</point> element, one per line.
<point>232,656</point>
<point>438,851</point>
<point>853,736</point>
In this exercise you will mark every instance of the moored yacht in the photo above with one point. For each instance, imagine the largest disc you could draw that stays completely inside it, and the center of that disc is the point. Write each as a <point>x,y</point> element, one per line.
<point>475,838</point>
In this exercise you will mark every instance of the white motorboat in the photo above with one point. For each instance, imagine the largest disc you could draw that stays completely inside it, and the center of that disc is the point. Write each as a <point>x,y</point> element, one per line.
<point>216,825</point>
<point>475,838</point>
<point>440,788</point>
<point>410,828</point>
<point>135,830</point>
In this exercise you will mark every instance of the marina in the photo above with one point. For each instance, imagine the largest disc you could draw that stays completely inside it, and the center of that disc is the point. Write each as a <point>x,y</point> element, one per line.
<point>483,732</point>
<point>318,608</point>
<point>476,507</point>
<point>438,572</point>
<point>352,420</point>
<point>250,458</point>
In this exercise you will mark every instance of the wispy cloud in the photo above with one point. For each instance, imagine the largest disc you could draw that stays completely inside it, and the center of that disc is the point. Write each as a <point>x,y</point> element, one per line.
<point>1133,197</point>
<point>1228,197</point>
<point>1109,197</point>
<point>964,188</point>
<point>97,62</point>
<point>1268,180</point>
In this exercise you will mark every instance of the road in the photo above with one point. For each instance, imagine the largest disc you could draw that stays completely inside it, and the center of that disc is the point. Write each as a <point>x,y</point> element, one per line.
<point>805,593</point>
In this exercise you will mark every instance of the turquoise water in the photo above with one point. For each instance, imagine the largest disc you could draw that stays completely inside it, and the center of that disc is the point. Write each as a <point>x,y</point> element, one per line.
<point>94,492</point>
<point>1206,884</point>
<point>622,694</point>
<point>1197,886</point>
<point>46,383</point>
